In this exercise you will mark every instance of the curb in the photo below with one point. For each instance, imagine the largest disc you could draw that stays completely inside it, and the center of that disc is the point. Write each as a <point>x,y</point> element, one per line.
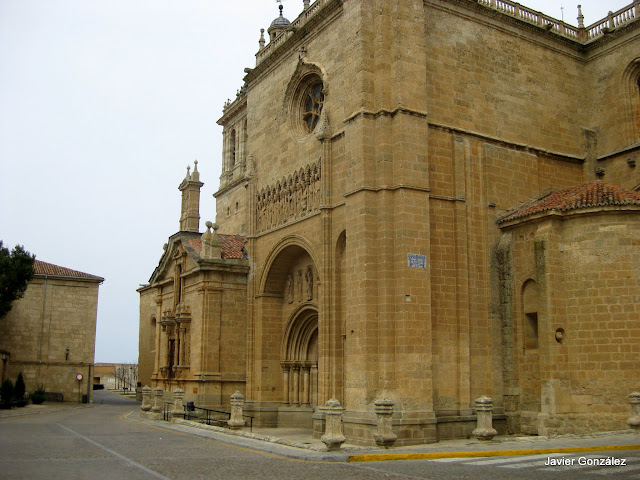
<point>383,457</point>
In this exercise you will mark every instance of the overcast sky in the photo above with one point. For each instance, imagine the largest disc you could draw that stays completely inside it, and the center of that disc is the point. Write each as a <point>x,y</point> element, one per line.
<point>103,104</point>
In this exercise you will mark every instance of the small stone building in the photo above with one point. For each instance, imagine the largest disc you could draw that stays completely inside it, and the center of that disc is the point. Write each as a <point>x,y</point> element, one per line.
<point>49,334</point>
<point>422,202</point>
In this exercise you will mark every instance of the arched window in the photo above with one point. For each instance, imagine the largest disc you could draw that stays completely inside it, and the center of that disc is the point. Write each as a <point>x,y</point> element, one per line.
<point>232,155</point>
<point>631,79</point>
<point>313,99</point>
<point>530,303</point>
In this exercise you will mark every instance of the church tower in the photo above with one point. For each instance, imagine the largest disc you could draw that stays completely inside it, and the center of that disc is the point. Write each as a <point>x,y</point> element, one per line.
<point>190,212</point>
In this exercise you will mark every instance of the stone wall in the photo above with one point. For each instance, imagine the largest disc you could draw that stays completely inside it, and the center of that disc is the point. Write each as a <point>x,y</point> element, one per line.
<point>586,271</point>
<point>50,334</point>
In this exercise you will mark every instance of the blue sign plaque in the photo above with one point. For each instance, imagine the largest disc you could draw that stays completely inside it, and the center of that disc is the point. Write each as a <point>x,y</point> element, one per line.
<point>416,261</point>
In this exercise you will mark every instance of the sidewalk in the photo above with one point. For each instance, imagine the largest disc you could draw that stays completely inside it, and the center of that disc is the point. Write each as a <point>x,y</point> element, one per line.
<point>46,407</point>
<point>299,444</point>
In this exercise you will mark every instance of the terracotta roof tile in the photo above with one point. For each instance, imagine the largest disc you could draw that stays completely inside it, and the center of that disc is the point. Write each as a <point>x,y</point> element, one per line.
<point>43,268</point>
<point>591,194</point>
<point>232,246</point>
<point>195,243</point>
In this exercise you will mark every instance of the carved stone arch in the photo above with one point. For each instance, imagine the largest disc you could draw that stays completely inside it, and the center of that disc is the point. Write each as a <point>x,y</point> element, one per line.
<point>299,360</point>
<point>309,81</point>
<point>273,276</point>
<point>304,70</point>
<point>299,334</point>
<point>631,89</point>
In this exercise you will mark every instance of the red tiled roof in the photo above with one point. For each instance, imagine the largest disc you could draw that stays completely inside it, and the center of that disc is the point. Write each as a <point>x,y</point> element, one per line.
<point>232,246</point>
<point>195,243</point>
<point>591,194</point>
<point>44,268</point>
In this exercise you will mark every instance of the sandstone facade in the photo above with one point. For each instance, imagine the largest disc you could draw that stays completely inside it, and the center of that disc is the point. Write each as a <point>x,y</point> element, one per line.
<point>49,334</point>
<point>378,165</point>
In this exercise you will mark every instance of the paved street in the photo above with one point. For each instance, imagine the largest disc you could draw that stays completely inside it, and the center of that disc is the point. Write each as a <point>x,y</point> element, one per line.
<point>100,442</point>
<point>579,466</point>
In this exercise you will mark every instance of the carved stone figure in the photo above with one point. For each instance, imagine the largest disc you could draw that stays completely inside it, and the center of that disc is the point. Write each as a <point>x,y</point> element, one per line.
<point>308,277</point>
<point>288,289</point>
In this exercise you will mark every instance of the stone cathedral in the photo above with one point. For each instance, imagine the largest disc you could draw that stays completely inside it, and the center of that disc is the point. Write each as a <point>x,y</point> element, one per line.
<point>422,202</point>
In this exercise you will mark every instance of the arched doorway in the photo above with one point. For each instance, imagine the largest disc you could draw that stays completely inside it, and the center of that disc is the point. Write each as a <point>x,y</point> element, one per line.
<point>287,376</point>
<point>299,362</point>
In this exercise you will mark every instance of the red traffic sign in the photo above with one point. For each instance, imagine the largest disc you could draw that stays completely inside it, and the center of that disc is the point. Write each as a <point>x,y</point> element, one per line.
<point>79,377</point>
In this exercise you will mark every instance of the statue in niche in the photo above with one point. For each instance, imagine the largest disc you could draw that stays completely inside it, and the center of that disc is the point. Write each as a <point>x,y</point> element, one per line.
<point>288,289</point>
<point>308,276</point>
<point>299,285</point>
<point>316,188</point>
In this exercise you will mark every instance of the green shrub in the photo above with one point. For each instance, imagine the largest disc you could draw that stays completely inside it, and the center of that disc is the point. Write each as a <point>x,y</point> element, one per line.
<point>6,393</point>
<point>19,389</point>
<point>38,396</point>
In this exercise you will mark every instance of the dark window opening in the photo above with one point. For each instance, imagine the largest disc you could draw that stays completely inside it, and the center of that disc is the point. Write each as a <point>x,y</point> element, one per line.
<point>531,331</point>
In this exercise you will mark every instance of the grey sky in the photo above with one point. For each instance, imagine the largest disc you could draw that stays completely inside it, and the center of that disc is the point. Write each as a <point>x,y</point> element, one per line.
<point>103,104</point>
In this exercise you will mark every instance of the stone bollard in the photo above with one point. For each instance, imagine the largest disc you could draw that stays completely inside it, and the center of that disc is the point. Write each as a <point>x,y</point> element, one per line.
<point>157,400</point>
<point>384,436</point>
<point>484,412</point>
<point>236,421</point>
<point>146,399</point>
<point>634,420</point>
<point>333,437</point>
<point>178,408</point>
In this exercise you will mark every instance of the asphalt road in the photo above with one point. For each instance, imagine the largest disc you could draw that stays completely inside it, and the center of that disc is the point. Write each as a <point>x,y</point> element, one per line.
<point>101,443</point>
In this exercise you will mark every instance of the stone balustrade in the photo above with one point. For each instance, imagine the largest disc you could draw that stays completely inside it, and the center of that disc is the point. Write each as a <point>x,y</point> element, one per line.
<point>613,20</point>
<point>295,25</point>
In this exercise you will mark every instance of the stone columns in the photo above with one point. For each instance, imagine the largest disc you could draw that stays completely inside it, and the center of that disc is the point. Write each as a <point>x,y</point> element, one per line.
<point>333,437</point>
<point>157,400</point>
<point>634,420</point>
<point>146,399</point>
<point>236,421</point>
<point>384,436</point>
<point>296,385</point>
<point>484,412</point>
<point>178,353</point>
<point>305,385</point>
<point>285,383</point>
<point>178,405</point>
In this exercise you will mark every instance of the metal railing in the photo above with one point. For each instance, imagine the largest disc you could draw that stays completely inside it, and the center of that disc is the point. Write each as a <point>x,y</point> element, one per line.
<point>211,416</point>
<point>166,411</point>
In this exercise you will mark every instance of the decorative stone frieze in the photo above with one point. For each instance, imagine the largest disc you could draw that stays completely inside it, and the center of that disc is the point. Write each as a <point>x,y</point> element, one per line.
<point>333,437</point>
<point>236,421</point>
<point>384,436</point>
<point>634,420</point>
<point>484,412</point>
<point>291,198</point>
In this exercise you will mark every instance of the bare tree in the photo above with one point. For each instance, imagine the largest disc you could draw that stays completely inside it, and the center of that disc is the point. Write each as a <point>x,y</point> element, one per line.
<point>126,375</point>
